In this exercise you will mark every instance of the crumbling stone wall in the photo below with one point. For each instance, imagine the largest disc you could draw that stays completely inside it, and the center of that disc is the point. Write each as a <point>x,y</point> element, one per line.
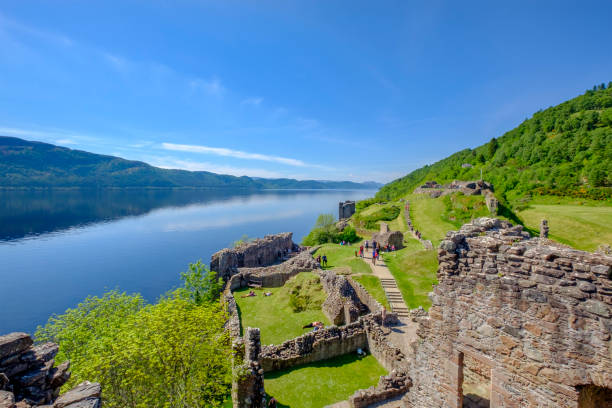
<point>386,237</point>
<point>261,252</point>
<point>389,386</point>
<point>466,187</point>
<point>342,305</point>
<point>248,384</point>
<point>314,346</point>
<point>28,378</point>
<point>533,316</point>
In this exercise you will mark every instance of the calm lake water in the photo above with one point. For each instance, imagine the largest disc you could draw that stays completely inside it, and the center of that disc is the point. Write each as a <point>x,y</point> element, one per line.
<point>58,247</point>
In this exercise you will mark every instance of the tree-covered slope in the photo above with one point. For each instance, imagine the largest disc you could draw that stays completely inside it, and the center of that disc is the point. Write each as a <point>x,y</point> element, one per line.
<point>34,164</point>
<point>563,150</point>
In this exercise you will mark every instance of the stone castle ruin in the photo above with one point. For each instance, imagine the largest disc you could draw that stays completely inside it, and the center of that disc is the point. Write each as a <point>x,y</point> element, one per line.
<point>515,321</point>
<point>346,209</point>
<point>28,378</point>
<point>357,319</point>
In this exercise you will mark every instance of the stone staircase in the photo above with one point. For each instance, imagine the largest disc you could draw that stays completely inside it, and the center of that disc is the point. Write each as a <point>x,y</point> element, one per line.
<point>394,296</point>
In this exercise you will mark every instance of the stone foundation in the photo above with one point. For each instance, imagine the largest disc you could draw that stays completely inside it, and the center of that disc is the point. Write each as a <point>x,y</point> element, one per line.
<point>28,378</point>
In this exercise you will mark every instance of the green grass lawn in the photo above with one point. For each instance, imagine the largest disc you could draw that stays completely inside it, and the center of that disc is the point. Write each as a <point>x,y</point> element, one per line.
<point>322,383</point>
<point>414,270</point>
<point>273,315</point>
<point>372,284</point>
<point>343,255</point>
<point>426,214</point>
<point>580,226</point>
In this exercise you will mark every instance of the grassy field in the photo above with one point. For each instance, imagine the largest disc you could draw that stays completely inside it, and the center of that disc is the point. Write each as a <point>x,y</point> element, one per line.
<point>322,383</point>
<point>273,315</point>
<point>426,214</point>
<point>340,255</point>
<point>414,270</point>
<point>580,226</point>
<point>372,284</point>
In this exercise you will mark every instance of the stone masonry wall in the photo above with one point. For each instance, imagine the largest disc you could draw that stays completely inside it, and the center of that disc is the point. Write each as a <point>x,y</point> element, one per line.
<point>534,316</point>
<point>248,382</point>
<point>28,378</point>
<point>261,252</point>
<point>314,346</point>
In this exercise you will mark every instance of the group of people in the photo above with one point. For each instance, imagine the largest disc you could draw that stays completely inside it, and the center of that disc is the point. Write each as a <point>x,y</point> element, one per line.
<point>315,326</point>
<point>376,249</point>
<point>252,293</point>
<point>322,260</point>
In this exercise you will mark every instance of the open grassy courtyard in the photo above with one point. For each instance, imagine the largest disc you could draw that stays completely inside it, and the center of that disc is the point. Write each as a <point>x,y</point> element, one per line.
<point>322,383</point>
<point>580,226</point>
<point>274,315</point>
<point>426,215</point>
<point>343,256</point>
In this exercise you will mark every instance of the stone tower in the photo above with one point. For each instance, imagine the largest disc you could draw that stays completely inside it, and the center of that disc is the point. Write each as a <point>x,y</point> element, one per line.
<point>346,209</point>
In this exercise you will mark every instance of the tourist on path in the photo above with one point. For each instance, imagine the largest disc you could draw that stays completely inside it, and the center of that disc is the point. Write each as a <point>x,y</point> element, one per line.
<point>324,260</point>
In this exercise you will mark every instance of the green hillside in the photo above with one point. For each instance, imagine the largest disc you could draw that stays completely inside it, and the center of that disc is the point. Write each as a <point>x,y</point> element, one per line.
<point>34,164</point>
<point>565,150</point>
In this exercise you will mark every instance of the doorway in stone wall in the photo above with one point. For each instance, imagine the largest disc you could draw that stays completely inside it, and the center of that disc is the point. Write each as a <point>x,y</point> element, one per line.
<point>476,383</point>
<point>592,396</point>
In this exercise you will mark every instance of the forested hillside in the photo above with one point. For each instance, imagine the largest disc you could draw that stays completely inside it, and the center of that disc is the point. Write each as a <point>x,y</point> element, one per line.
<point>563,150</point>
<point>40,165</point>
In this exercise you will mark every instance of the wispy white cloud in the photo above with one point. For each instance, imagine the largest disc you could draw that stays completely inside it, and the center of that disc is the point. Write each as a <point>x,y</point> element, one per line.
<point>65,142</point>
<point>58,136</point>
<point>222,151</point>
<point>59,39</point>
<point>211,86</point>
<point>115,61</point>
<point>181,164</point>
<point>252,101</point>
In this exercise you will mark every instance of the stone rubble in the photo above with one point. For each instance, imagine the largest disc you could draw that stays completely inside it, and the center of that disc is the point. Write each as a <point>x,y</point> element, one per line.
<point>28,377</point>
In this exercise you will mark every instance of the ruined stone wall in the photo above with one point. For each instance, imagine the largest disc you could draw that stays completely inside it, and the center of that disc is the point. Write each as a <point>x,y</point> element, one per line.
<point>342,305</point>
<point>314,346</point>
<point>533,316</point>
<point>389,356</point>
<point>248,376</point>
<point>277,275</point>
<point>28,378</point>
<point>261,252</point>
<point>389,386</point>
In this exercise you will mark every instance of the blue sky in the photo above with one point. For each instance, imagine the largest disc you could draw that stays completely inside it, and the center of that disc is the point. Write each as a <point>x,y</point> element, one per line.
<point>339,90</point>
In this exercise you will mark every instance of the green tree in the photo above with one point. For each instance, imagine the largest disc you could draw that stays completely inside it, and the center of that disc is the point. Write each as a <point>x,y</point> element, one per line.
<point>174,353</point>
<point>200,284</point>
<point>324,221</point>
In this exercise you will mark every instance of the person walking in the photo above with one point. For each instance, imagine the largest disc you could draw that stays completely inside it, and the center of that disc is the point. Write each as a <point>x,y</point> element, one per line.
<point>324,260</point>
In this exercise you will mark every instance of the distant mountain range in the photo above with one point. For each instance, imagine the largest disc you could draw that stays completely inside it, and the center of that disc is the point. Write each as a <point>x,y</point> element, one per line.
<point>27,164</point>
